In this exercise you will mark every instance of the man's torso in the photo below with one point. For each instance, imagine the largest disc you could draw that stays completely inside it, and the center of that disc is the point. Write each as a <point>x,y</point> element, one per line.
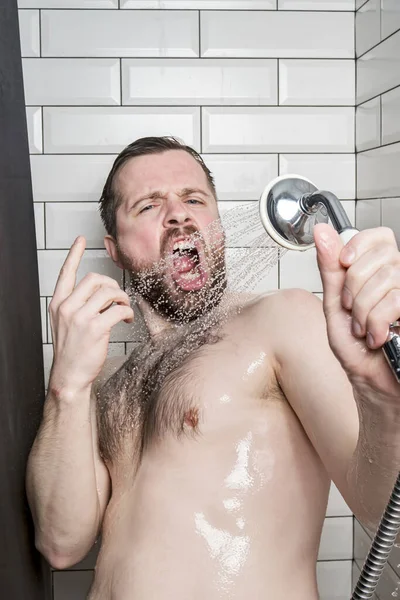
<point>219,493</point>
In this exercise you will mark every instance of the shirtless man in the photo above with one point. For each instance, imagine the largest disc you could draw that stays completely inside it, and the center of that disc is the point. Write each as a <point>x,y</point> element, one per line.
<point>226,496</point>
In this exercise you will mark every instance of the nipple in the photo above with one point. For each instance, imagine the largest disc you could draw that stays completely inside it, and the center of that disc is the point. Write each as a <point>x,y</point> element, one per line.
<point>191,418</point>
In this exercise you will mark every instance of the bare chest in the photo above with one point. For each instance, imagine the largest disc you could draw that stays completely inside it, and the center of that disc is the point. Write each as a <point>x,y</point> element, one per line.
<point>211,383</point>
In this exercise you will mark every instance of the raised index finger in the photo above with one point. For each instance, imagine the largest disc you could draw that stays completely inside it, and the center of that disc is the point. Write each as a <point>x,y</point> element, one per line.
<point>67,278</point>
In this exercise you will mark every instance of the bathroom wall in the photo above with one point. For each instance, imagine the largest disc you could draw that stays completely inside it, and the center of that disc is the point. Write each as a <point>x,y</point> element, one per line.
<point>378,172</point>
<point>259,87</point>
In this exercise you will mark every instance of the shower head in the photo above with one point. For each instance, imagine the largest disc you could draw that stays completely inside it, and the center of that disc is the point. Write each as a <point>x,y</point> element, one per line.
<point>290,207</point>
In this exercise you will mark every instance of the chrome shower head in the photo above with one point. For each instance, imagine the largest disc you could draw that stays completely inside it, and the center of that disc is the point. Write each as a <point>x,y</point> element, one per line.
<point>290,207</point>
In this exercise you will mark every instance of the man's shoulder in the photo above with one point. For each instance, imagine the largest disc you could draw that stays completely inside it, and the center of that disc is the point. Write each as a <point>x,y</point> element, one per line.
<point>279,310</point>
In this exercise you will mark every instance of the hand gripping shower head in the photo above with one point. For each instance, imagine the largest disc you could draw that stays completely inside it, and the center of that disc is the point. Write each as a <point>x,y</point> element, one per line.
<point>290,206</point>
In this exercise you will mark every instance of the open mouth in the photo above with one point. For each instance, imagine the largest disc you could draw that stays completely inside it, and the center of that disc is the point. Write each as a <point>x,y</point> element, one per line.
<point>188,272</point>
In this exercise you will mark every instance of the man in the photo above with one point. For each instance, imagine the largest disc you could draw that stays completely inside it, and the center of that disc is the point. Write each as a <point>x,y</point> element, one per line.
<point>211,481</point>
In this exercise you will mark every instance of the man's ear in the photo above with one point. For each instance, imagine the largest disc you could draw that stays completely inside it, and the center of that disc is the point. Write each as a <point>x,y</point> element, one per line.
<point>112,249</point>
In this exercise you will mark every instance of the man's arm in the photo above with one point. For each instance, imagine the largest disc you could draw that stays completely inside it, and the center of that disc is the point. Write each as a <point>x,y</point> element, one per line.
<point>357,441</point>
<point>68,485</point>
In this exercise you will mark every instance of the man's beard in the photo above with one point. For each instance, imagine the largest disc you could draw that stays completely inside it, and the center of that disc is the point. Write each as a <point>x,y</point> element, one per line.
<point>156,286</point>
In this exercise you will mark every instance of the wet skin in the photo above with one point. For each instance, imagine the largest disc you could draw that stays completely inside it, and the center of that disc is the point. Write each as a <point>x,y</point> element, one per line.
<point>235,511</point>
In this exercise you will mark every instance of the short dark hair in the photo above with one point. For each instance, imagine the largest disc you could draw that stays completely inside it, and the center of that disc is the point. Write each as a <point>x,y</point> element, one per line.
<point>111,198</point>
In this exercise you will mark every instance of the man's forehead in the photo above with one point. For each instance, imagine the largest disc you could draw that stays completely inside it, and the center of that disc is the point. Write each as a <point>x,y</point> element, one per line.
<point>174,168</point>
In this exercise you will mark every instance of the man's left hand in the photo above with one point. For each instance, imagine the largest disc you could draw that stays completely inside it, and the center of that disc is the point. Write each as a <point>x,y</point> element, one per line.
<point>361,285</point>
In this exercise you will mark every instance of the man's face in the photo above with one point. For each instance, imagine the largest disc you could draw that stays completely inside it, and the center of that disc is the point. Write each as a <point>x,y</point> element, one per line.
<point>169,234</point>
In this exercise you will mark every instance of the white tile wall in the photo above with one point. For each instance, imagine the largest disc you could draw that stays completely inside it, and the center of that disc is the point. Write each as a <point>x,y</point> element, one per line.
<point>119,33</point>
<point>333,172</point>
<point>66,220</point>
<point>29,32</point>
<point>283,129</point>
<point>390,17</point>
<point>202,4</point>
<point>258,91</point>
<point>316,82</point>
<point>316,4</point>
<point>378,173</point>
<point>64,178</point>
<point>368,124</point>
<point>199,81</point>
<point>109,130</point>
<point>68,3</point>
<point>72,81</point>
<point>391,116</point>
<point>368,26</point>
<point>241,176</point>
<point>39,225</point>
<point>334,579</point>
<point>278,34</point>
<point>337,539</point>
<point>34,125</point>
<point>378,70</point>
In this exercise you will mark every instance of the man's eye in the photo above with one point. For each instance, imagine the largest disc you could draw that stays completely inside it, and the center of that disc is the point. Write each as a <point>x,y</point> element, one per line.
<point>146,208</point>
<point>194,200</point>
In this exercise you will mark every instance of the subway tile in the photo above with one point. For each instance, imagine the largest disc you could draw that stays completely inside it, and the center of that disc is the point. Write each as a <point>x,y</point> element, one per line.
<point>51,261</point>
<point>337,506</point>
<point>39,225</point>
<point>199,81</point>
<point>368,125</point>
<point>368,214</point>
<point>119,33</point>
<point>316,82</point>
<point>43,318</point>
<point>333,172</point>
<point>68,585</point>
<point>278,129</point>
<point>202,4</point>
<point>391,218</point>
<point>379,69</point>
<point>359,3</point>
<point>29,32</point>
<point>64,178</point>
<point>390,17</point>
<point>246,272</point>
<point>71,81</point>
<point>66,220</point>
<point>47,362</point>
<point>241,176</point>
<point>336,539</point>
<point>68,4</point>
<point>378,174</point>
<point>391,116</point>
<point>34,126</point>
<point>300,270</point>
<point>109,130</point>
<point>334,579</point>
<point>282,34</point>
<point>368,26</point>
<point>316,5</point>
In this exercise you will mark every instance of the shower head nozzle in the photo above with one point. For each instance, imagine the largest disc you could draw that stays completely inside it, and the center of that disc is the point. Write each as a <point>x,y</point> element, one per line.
<point>285,214</point>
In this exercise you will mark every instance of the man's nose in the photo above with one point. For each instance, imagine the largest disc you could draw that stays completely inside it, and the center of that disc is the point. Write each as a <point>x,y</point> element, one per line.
<point>177,213</point>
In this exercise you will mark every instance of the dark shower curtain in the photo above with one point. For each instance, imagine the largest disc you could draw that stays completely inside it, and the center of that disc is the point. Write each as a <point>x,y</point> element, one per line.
<point>23,575</point>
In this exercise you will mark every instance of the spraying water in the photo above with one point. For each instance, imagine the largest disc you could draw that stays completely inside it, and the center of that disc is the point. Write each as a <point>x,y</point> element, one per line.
<point>197,286</point>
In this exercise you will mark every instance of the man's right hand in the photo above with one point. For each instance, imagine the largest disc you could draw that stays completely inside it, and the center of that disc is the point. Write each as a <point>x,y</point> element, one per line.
<point>81,320</point>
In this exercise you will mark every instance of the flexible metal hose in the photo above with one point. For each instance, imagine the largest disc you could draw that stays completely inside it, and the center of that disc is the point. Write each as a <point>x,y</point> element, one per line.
<point>381,546</point>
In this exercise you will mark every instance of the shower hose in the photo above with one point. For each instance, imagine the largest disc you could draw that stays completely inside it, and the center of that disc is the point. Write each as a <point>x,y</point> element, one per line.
<point>381,546</point>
